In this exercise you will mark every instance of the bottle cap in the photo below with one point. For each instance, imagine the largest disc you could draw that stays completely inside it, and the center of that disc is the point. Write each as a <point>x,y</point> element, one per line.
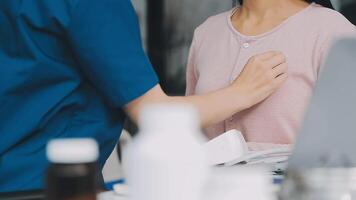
<point>173,117</point>
<point>67,151</point>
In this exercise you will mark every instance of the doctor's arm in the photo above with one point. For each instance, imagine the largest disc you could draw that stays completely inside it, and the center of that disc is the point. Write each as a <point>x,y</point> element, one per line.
<point>111,58</point>
<point>262,75</point>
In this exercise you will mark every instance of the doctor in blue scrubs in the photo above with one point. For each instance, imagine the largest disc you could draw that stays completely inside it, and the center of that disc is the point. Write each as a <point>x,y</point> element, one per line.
<point>76,68</point>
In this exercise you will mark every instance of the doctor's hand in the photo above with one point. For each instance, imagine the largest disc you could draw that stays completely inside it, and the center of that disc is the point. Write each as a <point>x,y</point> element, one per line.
<point>262,75</point>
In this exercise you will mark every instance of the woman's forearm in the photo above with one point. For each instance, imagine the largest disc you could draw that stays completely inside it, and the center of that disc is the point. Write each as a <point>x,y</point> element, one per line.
<point>216,106</point>
<point>212,107</point>
<point>262,75</point>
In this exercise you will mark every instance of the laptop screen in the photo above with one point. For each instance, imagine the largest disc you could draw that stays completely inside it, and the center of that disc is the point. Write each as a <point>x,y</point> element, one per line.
<point>328,134</point>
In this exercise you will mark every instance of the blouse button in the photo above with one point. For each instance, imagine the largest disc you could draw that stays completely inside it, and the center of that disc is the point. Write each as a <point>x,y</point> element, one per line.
<point>246,45</point>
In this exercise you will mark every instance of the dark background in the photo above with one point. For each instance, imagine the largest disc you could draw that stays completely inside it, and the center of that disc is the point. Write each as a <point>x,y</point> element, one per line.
<point>167,28</point>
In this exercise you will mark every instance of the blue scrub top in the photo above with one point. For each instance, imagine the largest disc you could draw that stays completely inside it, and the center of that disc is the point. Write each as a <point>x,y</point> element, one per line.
<point>66,69</point>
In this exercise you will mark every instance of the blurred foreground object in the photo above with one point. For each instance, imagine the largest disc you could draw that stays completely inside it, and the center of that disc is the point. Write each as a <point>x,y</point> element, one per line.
<point>73,172</point>
<point>323,163</point>
<point>240,182</point>
<point>327,136</point>
<point>166,160</point>
<point>320,183</point>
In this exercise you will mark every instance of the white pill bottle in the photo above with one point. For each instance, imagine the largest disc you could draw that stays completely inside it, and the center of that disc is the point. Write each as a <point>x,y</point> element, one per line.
<point>166,160</point>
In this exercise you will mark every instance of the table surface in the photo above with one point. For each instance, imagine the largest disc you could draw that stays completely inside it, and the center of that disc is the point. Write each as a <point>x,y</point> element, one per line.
<point>111,195</point>
<point>219,177</point>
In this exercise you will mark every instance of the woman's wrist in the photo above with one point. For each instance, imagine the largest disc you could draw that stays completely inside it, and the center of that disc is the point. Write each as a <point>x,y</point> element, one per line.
<point>241,99</point>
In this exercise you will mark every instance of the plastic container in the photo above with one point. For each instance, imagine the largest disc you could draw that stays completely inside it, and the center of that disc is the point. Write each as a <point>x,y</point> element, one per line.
<point>246,182</point>
<point>166,160</point>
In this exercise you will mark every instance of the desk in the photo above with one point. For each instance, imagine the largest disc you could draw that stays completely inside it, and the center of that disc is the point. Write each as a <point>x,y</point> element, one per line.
<point>221,186</point>
<point>111,196</point>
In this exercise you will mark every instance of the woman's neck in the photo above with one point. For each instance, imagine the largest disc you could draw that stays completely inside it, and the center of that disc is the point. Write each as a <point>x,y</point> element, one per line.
<point>260,9</point>
<point>258,16</point>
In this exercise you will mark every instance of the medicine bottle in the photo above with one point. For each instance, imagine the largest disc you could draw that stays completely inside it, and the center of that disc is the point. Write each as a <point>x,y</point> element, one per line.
<point>73,172</point>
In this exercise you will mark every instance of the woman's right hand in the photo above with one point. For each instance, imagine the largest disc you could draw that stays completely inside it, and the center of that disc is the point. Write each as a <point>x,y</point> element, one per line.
<point>262,75</point>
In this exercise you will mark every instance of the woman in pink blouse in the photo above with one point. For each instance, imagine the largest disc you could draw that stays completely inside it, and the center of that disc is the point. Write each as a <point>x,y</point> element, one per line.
<point>224,43</point>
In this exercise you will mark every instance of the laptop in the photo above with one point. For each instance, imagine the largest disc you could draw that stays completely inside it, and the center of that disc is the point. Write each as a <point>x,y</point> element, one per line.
<point>328,134</point>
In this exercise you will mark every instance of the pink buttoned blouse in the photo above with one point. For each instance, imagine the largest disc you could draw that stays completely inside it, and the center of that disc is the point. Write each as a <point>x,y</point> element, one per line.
<point>219,53</point>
